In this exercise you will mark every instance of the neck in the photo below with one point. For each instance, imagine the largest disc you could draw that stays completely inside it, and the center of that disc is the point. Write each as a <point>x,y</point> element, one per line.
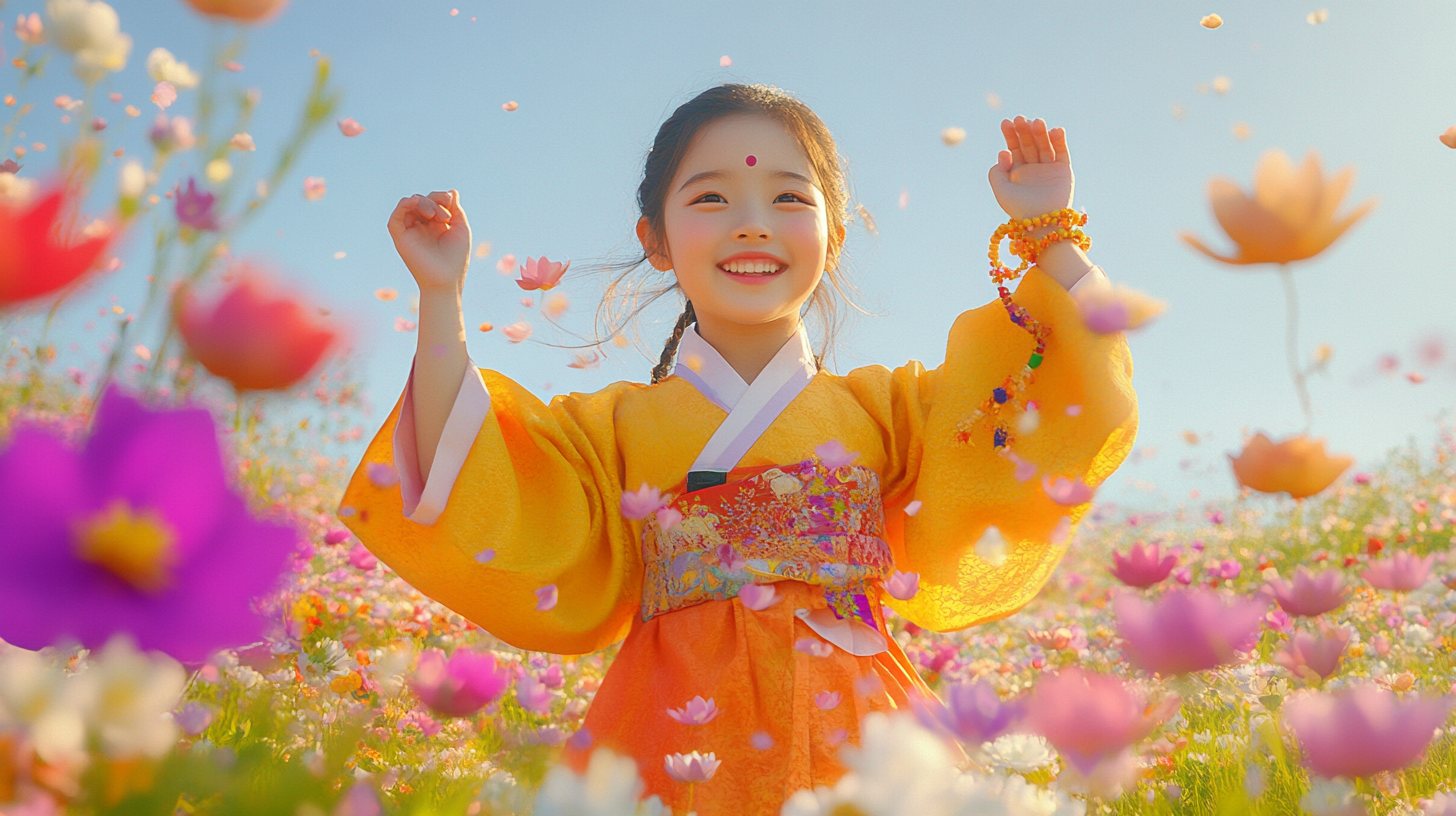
<point>747,348</point>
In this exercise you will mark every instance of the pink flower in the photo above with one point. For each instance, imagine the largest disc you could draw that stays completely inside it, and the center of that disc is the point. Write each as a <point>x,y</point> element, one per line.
<point>333,537</point>
<point>29,29</point>
<point>697,711</point>
<point>164,94</point>
<point>813,646</point>
<point>518,331</point>
<point>691,768</point>
<point>1314,658</point>
<point>541,273</point>
<point>1185,631</point>
<point>1402,572</point>
<point>758,597</point>
<point>913,507</point>
<point>834,455</point>
<point>645,500</point>
<point>1091,717</point>
<point>461,686</point>
<point>1362,478</point>
<point>350,128</point>
<point>1310,595</point>
<point>382,474</point>
<point>1066,492</point>
<point>827,700</point>
<point>728,558</point>
<point>902,586</point>
<point>546,598</point>
<point>533,695</point>
<point>553,677</point>
<point>1183,575</point>
<point>668,518</point>
<point>362,559</point>
<point>1228,569</point>
<point>1144,565</point>
<point>506,265</point>
<point>1363,730</point>
<point>314,188</point>
<point>1112,309</point>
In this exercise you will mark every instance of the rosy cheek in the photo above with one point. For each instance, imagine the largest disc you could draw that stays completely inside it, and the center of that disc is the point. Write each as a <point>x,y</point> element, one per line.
<point>691,236</point>
<point>803,230</point>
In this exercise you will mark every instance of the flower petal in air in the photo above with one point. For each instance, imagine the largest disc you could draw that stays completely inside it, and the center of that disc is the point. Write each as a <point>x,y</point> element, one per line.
<point>668,518</point>
<point>903,586</point>
<point>1066,492</point>
<point>546,598</point>
<point>518,331</point>
<point>643,501</point>
<point>834,455</point>
<point>758,597</point>
<point>350,128</point>
<point>827,700</point>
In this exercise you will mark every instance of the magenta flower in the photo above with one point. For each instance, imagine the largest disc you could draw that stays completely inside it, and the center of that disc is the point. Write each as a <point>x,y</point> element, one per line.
<point>540,273</point>
<point>461,686</point>
<point>697,711</point>
<point>195,208</point>
<point>644,501</point>
<point>1314,658</point>
<point>691,768</point>
<point>533,695</point>
<point>972,712</point>
<point>1185,630</point>
<point>1363,730</point>
<point>138,533</point>
<point>834,455</point>
<point>1091,717</point>
<point>362,559</point>
<point>1401,572</point>
<point>1066,492</point>
<point>758,597</point>
<point>1144,565</point>
<point>1310,595</point>
<point>903,586</point>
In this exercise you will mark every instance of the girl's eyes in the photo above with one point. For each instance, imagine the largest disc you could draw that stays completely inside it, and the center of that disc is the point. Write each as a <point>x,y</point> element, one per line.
<point>702,198</point>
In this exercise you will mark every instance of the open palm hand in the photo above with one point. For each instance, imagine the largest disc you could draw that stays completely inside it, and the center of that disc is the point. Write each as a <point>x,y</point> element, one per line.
<point>1033,175</point>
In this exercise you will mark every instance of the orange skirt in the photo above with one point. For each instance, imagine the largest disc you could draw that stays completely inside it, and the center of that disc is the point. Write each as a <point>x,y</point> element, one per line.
<point>775,733</point>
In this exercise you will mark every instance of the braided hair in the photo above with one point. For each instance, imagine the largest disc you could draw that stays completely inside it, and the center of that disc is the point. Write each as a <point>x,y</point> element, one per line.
<point>664,365</point>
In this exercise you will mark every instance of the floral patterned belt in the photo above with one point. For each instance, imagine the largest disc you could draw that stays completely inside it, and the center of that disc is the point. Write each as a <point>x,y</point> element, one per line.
<point>803,522</point>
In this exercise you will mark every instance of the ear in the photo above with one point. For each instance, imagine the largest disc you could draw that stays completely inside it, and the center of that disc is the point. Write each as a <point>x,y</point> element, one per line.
<point>659,260</point>
<point>837,248</point>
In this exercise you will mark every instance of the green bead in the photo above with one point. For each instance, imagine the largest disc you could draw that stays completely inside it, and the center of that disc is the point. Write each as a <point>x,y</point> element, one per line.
<point>1034,361</point>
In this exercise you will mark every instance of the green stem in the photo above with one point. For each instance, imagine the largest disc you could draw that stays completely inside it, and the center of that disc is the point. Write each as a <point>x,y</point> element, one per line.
<point>1291,345</point>
<point>111,362</point>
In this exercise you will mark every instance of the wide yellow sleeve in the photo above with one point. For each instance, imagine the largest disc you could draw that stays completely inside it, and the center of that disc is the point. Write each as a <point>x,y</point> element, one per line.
<point>541,486</point>
<point>964,488</point>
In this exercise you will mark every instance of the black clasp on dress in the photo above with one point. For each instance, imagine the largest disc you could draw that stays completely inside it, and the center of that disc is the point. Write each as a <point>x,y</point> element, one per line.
<point>699,479</point>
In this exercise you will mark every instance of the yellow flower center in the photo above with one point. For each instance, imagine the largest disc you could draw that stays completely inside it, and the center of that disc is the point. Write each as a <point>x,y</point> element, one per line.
<point>137,547</point>
<point>846,809</point>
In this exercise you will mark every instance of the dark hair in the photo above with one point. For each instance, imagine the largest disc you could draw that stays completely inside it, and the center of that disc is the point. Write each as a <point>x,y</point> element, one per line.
<point>624,293</point>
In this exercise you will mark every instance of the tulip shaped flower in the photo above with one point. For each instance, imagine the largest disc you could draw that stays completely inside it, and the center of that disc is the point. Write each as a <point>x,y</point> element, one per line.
<point>973,712</point>
<point>1290,216</point>
<point>137,533</point>
<point>34,260</point>
<point>691,768</point>
<point>1310,595</point>
<point>1364,729</point>
<point>461,686</point>
<point>1185,630</point>
<point>251,337</point>
<point>697,711</point>
<point>540,273</point>
<point>1298,466</point>
<point>1401,572</point>
<point>1091,718</point>
<point>1144,565</point>
<point>239,11</point>
<point>1314,658</point>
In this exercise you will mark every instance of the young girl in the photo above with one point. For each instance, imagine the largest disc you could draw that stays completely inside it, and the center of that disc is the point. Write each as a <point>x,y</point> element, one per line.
<point>790,496</point>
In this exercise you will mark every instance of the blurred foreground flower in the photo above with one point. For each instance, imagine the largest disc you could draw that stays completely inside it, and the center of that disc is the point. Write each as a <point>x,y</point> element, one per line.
<point>1091,718</point>
<point>34,260</point>
<point>1186,630</point>
<point>973,712</point>
<point>1401,572</point>
<point>1314,658</point>
<point>241,11</point>
<point>1111,309</point>
<point>137,533</point>
<point>251,337</point>
<point>1297,465</point>
<point>611,786</point>
<point>1363,730</point>
<point>195,208</point>
<point>1310,595</point>
<point>461,686</point>
<point>90,32</point>
<point>1290,217</point>
<point>1144,565</point>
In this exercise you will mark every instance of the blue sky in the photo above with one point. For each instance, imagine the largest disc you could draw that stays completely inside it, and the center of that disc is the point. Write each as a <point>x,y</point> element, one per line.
<point>1371,87</point>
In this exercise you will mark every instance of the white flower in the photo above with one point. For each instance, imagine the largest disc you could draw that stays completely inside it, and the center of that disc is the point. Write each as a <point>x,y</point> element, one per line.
<point>1417,635</point>
<point>132,696</point>
<point>90,32</point>
<point>163,67</point>
<point>1332,796</point>
<point>610,787</point>
<point>133,180</point>
<point>1022,753</point>
<point>991,547</point>
<point>37,694</point>
<point>329,660</point>
<point>15,190</point>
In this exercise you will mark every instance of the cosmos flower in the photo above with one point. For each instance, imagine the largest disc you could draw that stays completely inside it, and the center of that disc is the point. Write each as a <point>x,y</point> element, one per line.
<point>460,686</point>
<point>137,533</point>
<point>1309,594</point>
<point>34,258</point>
<point>1185,630</point>
<point>973,712</point>
<point>1290,216</point>
<point>1314,658</point>
<point>1362,730</point>
<point>1296,465</point>
<point>1143,566</point>
<point>1091,718</point>
<point>1403,571</point>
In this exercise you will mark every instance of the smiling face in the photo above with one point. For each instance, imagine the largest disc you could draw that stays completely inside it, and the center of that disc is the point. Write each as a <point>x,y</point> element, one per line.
<point>748,241</point>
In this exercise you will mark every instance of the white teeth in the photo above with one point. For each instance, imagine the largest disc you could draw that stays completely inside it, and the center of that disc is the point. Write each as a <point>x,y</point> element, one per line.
<point>751,267</point>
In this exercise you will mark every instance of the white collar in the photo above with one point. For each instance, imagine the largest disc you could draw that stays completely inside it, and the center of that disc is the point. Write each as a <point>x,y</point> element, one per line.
<point>721,384</point>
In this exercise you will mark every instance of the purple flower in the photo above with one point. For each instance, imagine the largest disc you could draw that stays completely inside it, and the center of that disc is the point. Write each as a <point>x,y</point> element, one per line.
<point>136,533</point>
<point>1309,594</point>
<point>1401,572</point>
<point>195,208</point>
<point>1144,565</point>
<point>533,695</point>
<point>1363,730</point>
<point>461,686</point>
<point>1185,631</point>
<point>972,712</point>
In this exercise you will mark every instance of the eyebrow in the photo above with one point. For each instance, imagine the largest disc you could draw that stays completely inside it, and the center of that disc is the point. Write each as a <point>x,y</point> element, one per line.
<point>718,174</point>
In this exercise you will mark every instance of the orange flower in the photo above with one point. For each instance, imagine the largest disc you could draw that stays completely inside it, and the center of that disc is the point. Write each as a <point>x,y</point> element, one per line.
<point>1291,215</point>
<point>243,11</point>
<point>1298,466</point>
<point>255,340</point>
<point>34,261</point>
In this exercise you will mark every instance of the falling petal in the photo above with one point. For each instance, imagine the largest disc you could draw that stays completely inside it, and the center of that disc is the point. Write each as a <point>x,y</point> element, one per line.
<point>506,265</point>
<point>834,455</point>
<point>1211,21</point>
<point>350,128</point>
<point>1221,84</point>
<point>516,332</point>
<point>485,556</point>
<point>383,474</point>
<point>1317,17</point>
<point>758,597</point>
<point>993,100</point>
<point>1448,137</point>
<point>668,518</point>
<point>386,293</point>
<point>725,61</point>
<point>485,327</point>
<point>903,586</point>
<point>904,198</point>
<point>510,106</point>
<point>953,136</point>
<point>546,598</point>
<point>242,141</point>
<point>913,507</point>
<point>314,188</point>
<point>164,94</point>
<point>402,325</point>
<point>483,250</point>
<point>991,547</point>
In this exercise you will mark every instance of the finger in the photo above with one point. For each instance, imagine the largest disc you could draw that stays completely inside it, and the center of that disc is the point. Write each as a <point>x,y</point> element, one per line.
<point>1059,143</point>
<point>441,200</point>
<point>1028,142</point>
<point>1043,143</point>
<point>399,219</point>
<point>457,212</point>
<point>1013,142</point>
<point>1003,160</point>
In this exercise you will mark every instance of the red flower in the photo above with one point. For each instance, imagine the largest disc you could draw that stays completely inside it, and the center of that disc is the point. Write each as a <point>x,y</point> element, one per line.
<point>256,340</point>
<point>34,260</point>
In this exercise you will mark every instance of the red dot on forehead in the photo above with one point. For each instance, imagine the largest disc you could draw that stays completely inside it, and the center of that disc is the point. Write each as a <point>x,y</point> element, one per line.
<point>751,161</point>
